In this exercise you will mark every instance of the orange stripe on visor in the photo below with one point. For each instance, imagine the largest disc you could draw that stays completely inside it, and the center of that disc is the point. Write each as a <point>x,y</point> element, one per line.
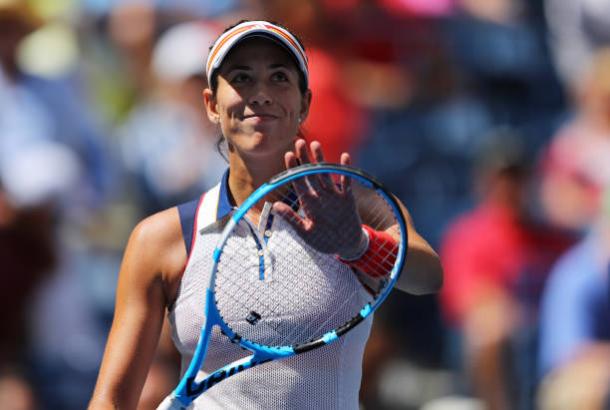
<point>231,38</point>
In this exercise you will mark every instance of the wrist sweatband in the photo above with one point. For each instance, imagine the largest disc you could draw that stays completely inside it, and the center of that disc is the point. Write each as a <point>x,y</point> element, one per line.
<point>380,255</point>
<point>363,246</point>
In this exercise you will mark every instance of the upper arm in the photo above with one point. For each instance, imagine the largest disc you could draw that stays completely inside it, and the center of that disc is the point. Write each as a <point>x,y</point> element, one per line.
<point>422,272</point>
<point>142,295</point>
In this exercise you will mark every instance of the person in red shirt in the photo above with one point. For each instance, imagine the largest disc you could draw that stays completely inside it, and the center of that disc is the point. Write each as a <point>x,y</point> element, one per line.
<point>496,260</point>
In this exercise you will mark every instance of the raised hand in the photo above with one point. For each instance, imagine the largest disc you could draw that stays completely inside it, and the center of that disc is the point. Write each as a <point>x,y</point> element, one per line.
<point>329,221</point>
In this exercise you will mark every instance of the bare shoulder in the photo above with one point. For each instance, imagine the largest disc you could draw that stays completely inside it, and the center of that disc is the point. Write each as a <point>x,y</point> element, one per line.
<point>157,245</point>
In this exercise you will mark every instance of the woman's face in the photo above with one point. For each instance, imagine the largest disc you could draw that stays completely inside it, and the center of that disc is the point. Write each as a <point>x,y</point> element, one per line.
<point>258,103</point>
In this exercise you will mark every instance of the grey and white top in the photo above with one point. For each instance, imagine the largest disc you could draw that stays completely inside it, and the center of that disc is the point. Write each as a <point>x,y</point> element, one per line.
<point>324,378</point>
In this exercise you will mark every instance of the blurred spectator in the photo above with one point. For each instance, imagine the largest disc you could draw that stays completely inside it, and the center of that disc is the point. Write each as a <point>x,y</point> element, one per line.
<point>167,143</point>
<point>422,8</point>
<point>576,163</point>
<point>45,121</point>
<point>332,94</point>
<point>192,8</point>
<point>16,392</point>
<point>575,328</point>
<point>27,185</point>
<point>495,261</point>
<point>423,151</point>
<point>577,28</point>
<point>53,164</point>
<point>27,254</point>
<point>504,60</point>
<point>345,132</point>
<point>410,87</point>
<point>117,40</point>
<point>132,27</point>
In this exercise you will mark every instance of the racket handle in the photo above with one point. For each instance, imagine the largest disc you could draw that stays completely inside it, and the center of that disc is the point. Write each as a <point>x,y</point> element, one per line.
<point>171,402</point>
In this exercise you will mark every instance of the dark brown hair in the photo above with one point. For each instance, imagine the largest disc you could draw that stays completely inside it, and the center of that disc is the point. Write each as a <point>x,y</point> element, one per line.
<point>302,82</point>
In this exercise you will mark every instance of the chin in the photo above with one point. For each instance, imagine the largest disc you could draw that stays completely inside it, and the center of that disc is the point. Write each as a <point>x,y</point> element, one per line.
<point>260,143</point>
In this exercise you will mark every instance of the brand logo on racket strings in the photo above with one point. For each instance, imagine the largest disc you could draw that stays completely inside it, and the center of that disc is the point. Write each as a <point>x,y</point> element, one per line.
<point>195,389</point>
<point>253,318</point>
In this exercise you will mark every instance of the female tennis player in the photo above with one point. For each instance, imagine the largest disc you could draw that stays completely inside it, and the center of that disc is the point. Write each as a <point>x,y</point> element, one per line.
<point>258,96</point>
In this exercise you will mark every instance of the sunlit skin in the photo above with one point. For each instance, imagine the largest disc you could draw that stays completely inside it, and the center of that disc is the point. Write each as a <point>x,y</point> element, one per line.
<point>258,107</point>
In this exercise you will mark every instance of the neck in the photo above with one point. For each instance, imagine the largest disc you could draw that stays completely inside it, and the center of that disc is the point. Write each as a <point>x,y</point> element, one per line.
<point>247,175</point>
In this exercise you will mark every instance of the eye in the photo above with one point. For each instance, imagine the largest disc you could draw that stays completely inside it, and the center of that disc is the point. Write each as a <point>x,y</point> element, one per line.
<point>240,78</point>
<point>279,76</point>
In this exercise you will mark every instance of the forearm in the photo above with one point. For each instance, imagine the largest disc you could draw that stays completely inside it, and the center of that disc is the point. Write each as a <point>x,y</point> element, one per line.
<point>127,359</point>
<point>422,272</point>
<point>100,402</point>
<point>135,331</point>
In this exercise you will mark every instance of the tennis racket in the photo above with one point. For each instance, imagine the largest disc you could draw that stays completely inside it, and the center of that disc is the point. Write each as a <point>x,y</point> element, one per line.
<point>277,287</point>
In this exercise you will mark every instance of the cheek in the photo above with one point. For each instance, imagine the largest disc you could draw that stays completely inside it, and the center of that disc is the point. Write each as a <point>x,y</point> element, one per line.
<point>230,106</point>
<point>293,104</point>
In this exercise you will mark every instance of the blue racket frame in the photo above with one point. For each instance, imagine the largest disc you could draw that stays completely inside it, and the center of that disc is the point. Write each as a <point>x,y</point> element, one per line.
<point>189,388</point>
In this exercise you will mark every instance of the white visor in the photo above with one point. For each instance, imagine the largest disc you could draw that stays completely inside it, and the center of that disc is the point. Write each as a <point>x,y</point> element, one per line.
<point>248,29</point>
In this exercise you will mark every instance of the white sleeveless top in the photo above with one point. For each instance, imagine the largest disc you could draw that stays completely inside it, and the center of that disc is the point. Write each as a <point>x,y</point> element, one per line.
<point>324,378</point>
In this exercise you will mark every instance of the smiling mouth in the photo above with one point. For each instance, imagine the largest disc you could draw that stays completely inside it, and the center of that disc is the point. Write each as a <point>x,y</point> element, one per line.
<point>261,117</point>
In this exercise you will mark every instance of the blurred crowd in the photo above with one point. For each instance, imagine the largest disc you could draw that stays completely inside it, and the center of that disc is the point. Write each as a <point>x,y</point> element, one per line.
<point>490,119</point>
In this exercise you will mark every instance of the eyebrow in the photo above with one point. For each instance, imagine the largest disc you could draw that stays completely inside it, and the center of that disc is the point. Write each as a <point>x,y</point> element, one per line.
<point>278,65</point>
<point>238,67</point>
<point>248,68</point>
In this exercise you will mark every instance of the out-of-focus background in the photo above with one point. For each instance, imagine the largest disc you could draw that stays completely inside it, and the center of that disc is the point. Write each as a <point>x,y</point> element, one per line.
<point>490,119</point>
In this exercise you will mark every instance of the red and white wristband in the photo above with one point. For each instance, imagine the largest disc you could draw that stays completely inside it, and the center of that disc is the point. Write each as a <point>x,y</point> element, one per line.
<point>378,256</point>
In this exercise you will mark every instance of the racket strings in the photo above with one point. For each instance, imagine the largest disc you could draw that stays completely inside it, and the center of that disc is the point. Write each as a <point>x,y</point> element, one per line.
<point>380,218</point>
<point>300,285</point>
<point>235,298</point>
<point>235,291</point>
<point>250,301</point>
<point>260,303</point>
<point>319,330</point>
<point>383,217</point>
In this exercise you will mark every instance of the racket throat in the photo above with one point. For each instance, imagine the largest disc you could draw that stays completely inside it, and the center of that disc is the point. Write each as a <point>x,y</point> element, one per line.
<point>194,388</point>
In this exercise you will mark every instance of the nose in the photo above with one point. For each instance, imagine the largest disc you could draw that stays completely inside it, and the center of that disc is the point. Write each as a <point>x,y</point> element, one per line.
<point>261,96</point>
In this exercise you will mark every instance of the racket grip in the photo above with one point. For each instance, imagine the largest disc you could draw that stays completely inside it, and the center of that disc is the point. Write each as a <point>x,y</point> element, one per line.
<point>380,256</point>
<point>171,402</point>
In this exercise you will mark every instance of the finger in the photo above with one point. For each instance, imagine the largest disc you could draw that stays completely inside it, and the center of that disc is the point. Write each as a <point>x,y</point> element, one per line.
<point>303,154</point>
<point>290,160</point>
<point>346,159</point>
<point>299,184</point>
<point>316,149</point>
<point>324,179</point>
<point>288,214</point>
<point>300,148</point>
<point>346,182</point>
